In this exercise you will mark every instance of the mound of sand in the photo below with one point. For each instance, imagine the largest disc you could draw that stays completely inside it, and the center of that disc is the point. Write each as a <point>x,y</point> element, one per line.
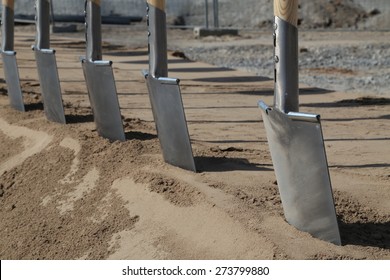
<point>66,193</point>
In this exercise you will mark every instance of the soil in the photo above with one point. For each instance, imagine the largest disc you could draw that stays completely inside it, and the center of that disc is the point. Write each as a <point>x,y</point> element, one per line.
<point>66,193</point>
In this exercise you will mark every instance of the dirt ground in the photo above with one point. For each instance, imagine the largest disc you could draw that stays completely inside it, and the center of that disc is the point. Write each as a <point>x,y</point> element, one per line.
<point>66,193</point>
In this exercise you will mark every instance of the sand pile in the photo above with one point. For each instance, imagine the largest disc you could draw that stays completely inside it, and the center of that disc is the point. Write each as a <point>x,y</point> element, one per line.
<point>312,14</point>
<point>66,193</point>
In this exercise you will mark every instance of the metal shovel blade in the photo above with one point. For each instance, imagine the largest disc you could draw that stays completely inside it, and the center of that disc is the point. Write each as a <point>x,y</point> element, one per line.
<point>103,98</point>
<point>11,74</point>
<point>298,154</point>
<point>50,85</point>
<point>172,130</point>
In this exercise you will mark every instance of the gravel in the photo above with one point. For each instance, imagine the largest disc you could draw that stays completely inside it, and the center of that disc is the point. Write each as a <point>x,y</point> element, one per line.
<point>364,68</point>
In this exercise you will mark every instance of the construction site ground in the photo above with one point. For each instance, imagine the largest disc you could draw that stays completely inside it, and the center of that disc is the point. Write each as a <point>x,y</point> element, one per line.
<point>66,193</point>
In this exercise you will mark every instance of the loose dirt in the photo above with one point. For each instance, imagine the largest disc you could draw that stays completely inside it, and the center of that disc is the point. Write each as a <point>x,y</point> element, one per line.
<point>66,193</point>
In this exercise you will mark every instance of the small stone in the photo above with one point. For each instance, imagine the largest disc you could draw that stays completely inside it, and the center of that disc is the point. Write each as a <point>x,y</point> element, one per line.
<point>303,50</point>
<point>374,12</point>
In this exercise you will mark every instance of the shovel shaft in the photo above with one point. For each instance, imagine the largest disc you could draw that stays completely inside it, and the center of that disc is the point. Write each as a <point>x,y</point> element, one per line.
<point>93,24</point>
<point>206,11</point>
<point>286,97</point>
<point>43,24</point>
<point>216,13</point>
<point>7,25</point>
<point>158,61</point>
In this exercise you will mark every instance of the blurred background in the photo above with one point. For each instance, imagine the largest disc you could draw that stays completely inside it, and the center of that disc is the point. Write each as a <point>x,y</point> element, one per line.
<point>351,14</point>
<point>344,44</point>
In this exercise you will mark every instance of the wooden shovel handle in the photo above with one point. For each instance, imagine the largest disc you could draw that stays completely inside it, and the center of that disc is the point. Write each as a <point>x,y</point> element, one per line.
<point>9,3</point>
<point>97,2</point>
<point>287,10</point>
<point>160,4</point>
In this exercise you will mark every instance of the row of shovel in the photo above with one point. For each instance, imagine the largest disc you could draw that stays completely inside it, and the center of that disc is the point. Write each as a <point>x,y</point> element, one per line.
<point>295,139</point>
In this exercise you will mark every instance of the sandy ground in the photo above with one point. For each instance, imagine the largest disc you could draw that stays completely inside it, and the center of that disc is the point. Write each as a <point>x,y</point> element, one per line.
<point>66,193</point>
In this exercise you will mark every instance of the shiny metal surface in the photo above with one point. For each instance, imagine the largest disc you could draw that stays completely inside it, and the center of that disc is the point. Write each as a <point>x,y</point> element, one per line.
<point>104,101</point>
<point>47,65</point>
<point>100,79</point>
<point>11,74</point>
<point>93,26</point>
<point>171,125</point>
<point>50,85</point>
<point>11,71</point>
<point>158,60</point>
<point>42,8</point>
<point>297,146</point>
<point>286,96</point>
<point>301,168</point>
<point>7,28</point>
<point>165,97</point>
<point>216,13</point>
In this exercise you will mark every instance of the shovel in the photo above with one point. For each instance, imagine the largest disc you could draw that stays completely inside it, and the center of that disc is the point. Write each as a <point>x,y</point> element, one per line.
<point>295,139</point>
<point>47,65</point>
<point>165,95</point>
<point>100,78</point>
<point>8,54</point>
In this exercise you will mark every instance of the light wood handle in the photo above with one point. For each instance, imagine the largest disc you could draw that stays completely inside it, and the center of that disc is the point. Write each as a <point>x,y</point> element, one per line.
<point>287,10</point>
<point>160,4</point>
<point>9,3</point>
<point>97,2</point>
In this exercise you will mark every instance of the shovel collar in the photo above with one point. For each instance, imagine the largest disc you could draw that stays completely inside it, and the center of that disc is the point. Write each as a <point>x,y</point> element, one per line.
<point>296,116</point>
<point>9,53</point>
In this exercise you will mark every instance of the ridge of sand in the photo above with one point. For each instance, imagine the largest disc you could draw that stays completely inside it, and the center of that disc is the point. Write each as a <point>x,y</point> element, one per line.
<point>86,186</point>
<point>195,231</point>
<point>34,142</point>
<point>75,146</point>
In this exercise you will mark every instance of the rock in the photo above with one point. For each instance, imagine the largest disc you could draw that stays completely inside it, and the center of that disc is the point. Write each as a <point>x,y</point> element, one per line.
<point>303,50</point>
<point>176,20</point>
